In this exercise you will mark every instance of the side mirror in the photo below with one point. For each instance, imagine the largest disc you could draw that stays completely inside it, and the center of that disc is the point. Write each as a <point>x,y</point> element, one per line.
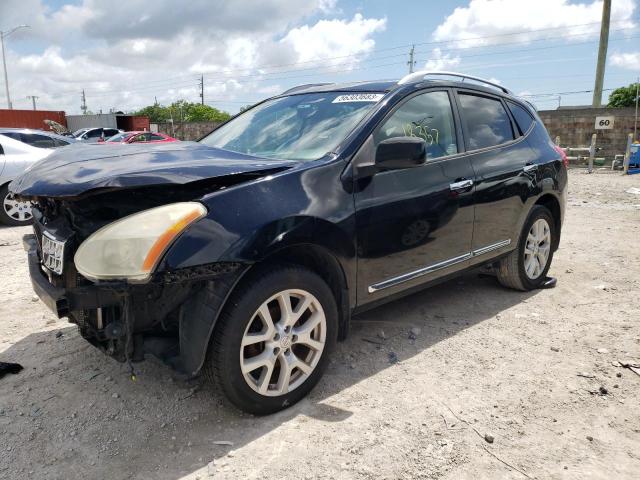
<point>401,152</point>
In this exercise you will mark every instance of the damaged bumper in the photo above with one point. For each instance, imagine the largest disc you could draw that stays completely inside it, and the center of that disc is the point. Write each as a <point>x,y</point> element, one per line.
<point>62,301</point>
<point>171,317</point>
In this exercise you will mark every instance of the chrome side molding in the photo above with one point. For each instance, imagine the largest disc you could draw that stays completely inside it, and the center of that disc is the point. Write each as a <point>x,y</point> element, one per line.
<point>418,273</point>
<point>491,248</point>
<point>405,277</point>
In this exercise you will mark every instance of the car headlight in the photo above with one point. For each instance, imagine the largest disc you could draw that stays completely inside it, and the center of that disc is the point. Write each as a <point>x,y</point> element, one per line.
<point>130,248</point>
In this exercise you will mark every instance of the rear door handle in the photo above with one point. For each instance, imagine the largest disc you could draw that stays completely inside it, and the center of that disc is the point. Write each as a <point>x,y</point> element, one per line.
<point>530,168</point>
<point>461,185</point>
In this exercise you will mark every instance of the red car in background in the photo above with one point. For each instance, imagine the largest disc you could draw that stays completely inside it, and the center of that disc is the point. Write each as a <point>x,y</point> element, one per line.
<point>140,137</point>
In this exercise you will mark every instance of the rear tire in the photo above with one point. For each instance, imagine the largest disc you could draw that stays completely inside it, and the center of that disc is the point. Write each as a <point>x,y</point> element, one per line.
<point>526,267</point>
<point>13,212</point>
<point>266,356</point>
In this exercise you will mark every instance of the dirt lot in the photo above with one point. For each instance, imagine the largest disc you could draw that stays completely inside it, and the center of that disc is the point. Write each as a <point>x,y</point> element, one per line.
<point>525,368</point>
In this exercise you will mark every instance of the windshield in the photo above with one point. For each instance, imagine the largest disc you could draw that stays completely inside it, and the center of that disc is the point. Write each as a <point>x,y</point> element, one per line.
<point>297,127</point>
<point>77,133</point>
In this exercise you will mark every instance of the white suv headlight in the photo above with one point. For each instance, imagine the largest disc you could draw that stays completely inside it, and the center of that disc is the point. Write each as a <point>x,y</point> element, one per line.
<point>130,248</point>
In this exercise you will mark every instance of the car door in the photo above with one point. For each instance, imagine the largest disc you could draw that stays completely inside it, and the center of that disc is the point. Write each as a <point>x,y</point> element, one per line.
<point>504,165</point>
<point>416,224</point>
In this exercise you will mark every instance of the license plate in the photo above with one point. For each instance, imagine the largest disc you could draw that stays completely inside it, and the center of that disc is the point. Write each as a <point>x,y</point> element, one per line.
<point>52,253</point>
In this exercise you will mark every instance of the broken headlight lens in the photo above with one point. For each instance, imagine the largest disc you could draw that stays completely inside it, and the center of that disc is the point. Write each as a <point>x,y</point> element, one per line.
<point>130,248</point>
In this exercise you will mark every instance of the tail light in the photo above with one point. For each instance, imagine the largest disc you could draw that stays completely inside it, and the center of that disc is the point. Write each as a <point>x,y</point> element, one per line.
<point>563,156</point>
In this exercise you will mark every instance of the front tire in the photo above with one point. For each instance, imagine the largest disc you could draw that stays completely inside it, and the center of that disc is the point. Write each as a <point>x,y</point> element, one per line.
<point>13,212</point>
<point>526,267</point>
<point>273,339</point>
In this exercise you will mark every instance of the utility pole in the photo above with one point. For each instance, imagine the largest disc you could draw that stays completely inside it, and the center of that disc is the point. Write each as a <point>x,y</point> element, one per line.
<point>33,100</point>
<point>635,121</point>
<point>202,89</point>
<point>602,53</point>
<point>411,62</point>
<point>4,35</point>
<point>83,105</point>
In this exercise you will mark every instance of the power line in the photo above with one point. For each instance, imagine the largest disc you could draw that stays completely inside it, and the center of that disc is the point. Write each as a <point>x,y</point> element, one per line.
<point>321,63</point>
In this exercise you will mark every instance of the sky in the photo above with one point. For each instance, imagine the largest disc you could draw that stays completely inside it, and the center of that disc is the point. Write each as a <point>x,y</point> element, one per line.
<point>128,56</point>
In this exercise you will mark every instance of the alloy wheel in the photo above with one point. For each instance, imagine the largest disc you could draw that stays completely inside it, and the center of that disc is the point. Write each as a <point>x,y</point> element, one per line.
<point>537,248</point>
<point>19,211</point>
<point>283,342</point>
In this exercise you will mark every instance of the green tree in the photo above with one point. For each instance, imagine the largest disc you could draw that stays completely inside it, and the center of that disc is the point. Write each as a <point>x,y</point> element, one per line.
<point>183,111</point>
<point>204,113</point>
<point>156,113</point>
<point>623,96</point>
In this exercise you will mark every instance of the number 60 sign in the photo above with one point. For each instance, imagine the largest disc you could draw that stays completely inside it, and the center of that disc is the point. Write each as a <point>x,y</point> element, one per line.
<point>604,123</point>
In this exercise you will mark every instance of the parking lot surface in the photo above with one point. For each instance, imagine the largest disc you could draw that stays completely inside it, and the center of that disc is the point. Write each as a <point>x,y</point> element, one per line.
<point>417,391</point>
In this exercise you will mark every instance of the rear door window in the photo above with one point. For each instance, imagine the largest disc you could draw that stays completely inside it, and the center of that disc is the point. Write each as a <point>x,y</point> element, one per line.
<point>39,141</point>
<point>94,133</point>
<point>487,122</point>
<point>522,117</point>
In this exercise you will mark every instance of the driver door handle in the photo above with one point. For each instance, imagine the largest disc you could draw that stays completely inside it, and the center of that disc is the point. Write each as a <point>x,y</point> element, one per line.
<point>460,186</point>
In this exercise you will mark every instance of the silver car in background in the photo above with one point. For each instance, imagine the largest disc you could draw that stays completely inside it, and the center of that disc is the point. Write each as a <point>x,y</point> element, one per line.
<point>15,158</point>
<point>37,138</point>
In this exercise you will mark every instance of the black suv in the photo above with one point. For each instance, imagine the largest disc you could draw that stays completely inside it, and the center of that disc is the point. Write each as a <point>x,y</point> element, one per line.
<point>246,254</point>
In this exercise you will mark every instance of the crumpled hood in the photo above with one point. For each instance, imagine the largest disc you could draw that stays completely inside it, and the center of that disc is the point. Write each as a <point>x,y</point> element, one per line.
<point>79,168</point>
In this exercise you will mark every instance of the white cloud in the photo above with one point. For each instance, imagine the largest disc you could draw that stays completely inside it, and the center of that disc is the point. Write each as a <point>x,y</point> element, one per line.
<point>124,59</point>
<point>630,61</point>
<point>518,21</point>
<point>440,61</point>
<point>334,38</point>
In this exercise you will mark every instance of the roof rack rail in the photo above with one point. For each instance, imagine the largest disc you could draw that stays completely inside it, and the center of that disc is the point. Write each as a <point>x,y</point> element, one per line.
<point>306,85</point>
<point>418,76</point>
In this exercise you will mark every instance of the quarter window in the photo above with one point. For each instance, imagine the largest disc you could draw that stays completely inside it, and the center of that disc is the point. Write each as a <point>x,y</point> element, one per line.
<point>427,116</point>
<point>522,117</point>
<point>486,120</point>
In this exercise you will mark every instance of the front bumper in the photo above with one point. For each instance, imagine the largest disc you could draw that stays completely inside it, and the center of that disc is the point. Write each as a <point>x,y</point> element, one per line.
<point>171,317</point>
<point>63,301</point>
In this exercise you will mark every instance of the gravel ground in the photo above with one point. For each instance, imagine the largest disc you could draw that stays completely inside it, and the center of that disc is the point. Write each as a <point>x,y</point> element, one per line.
<point>523,368</point>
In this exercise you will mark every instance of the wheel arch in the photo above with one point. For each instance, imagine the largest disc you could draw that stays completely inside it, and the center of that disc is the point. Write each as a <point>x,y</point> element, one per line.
<point>324,263</point>
<point>202,311</point>
<point>549,201</point>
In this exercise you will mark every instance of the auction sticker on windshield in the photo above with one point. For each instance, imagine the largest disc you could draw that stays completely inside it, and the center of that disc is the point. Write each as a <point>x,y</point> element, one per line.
<point>358,97</point>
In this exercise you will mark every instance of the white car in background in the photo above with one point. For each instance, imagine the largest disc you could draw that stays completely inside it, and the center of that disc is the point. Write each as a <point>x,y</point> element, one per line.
<point>15,158</point>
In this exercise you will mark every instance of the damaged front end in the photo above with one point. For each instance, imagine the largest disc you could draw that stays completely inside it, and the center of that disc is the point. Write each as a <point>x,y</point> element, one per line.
<point>169,315</point>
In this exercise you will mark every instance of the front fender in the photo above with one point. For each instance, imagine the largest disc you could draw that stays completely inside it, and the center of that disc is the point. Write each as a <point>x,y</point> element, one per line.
<point>249,222</point>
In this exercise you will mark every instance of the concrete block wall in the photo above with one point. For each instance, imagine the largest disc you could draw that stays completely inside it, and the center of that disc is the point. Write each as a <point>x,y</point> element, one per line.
<point>576,125</point>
